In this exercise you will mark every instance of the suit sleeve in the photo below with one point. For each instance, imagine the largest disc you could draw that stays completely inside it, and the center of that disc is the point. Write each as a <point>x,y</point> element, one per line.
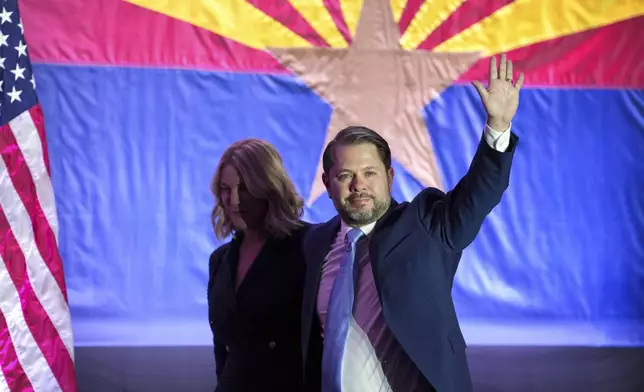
<point>455,218</point>
<point>220,350</point>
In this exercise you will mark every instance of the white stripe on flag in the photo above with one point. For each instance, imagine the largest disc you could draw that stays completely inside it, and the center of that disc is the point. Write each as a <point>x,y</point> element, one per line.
<point>42,281</point>
<point>31,358</point>
<point>28,139</point>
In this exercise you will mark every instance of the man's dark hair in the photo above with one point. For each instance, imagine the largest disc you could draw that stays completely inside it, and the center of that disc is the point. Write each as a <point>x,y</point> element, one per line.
<point>356,135</point>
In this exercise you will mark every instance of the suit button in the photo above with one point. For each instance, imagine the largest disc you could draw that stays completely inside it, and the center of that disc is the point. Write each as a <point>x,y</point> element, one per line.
<point>272,345</point>
<point>227,348</point>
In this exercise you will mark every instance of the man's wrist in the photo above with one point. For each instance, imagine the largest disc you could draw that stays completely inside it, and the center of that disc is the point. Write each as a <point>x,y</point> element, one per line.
<point>498,124</point>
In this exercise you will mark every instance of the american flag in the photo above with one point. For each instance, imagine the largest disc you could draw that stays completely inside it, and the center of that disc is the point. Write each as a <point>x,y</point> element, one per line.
<point>36,341</point>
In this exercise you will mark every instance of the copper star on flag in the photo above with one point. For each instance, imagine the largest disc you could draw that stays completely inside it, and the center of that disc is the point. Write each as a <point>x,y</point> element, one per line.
<point>376,83</point>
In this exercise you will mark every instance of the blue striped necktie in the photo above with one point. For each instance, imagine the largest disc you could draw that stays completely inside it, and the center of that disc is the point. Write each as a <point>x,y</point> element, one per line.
<point>338,316</point>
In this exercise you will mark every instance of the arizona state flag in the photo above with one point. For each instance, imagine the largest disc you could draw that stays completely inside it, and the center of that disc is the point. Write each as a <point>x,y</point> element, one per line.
<point>141,97</point>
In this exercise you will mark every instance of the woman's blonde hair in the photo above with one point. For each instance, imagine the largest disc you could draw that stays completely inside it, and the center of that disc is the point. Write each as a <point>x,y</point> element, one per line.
<point>261,169</point>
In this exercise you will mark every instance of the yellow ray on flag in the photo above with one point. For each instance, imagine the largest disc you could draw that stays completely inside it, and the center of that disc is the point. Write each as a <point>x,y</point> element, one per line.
<point>318,16</point>
<point>351,11</point>
<point>397,8</point>
<point>234,19</point>
<point>526,22</point>
<point>430,15</point>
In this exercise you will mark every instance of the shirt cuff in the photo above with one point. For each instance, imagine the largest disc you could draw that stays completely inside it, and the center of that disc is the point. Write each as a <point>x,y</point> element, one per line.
<point>499,141</point>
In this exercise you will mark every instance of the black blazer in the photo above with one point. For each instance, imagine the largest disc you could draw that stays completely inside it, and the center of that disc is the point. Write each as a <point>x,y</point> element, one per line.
<point>415,249</point>
<point>256,330</point>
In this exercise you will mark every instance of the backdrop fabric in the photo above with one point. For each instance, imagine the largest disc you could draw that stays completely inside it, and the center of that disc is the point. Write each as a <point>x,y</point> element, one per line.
<point>137,120</point>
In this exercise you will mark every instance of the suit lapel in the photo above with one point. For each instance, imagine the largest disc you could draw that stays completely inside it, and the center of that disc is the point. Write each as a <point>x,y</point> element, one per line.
<point>316,247</point>
<point>264,258</point>
<point>385,237</point>
<point>227,273</point>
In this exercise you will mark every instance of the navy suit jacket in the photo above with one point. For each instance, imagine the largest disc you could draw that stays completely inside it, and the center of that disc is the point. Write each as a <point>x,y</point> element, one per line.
<point>415,249</point>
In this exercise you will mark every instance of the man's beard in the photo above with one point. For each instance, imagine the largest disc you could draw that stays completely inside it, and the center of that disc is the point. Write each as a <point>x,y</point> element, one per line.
<point>361,217</point>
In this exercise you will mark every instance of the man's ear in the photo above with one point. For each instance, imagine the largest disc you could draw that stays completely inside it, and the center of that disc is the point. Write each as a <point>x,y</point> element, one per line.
<point>390,177</point>
<point>326,180</point>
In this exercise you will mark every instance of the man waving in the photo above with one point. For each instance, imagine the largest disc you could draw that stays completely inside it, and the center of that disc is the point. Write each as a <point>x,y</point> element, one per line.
<point>380,273</point>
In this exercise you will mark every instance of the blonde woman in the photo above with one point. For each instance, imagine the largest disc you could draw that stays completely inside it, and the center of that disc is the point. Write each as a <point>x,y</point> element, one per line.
<point>256,279</point>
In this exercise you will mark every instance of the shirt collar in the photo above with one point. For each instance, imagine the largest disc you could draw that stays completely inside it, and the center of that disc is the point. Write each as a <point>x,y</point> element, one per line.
<point>366,229</point>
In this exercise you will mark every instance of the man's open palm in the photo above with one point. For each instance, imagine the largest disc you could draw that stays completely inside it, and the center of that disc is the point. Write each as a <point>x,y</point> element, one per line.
<point>501,98</point>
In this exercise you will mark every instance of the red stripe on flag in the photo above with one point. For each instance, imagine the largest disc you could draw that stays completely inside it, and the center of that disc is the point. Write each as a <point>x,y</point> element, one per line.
<point>26,189</point>
<point>338,17</point>
<point>40,326</point>
<point>411,8</point>
<point>287,15</point>
<point>463,17</point>
<point>13,372</point>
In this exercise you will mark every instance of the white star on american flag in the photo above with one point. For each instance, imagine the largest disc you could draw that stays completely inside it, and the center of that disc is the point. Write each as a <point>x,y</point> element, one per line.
<point>18,72</point>
<point>6,16</point>
<point>14,94</point>
<point>22,49</point>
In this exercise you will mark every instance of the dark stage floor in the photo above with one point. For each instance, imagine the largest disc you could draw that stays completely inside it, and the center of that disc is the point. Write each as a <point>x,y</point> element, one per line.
<point>494,369</point>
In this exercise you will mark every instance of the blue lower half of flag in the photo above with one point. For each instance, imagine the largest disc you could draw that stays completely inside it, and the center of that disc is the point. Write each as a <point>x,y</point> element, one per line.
<point>133,150</point>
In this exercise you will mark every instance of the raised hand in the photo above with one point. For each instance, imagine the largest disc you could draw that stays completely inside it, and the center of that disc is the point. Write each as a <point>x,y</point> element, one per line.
<point>501,98</point>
